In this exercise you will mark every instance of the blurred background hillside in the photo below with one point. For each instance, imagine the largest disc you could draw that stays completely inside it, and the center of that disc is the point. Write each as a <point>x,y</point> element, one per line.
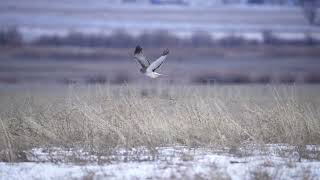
<point>211,41</point>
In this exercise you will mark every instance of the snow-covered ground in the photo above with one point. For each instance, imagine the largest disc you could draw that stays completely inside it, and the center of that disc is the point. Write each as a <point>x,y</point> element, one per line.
<point>174,3</point>
<point>272,161</point>
<point>44,17</point>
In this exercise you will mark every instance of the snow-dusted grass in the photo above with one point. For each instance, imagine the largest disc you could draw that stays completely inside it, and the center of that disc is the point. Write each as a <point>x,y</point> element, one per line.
<point>160,131</point>
<point>170,162</point>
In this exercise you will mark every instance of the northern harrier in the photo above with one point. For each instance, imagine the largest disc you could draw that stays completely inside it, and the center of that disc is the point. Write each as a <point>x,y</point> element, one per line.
<point>147,68</point>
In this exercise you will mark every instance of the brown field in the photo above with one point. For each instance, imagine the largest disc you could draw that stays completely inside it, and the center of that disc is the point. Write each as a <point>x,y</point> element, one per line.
<point>103,117</point>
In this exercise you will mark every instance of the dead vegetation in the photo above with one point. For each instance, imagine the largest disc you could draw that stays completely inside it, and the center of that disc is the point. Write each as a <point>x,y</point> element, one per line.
<point>101,118</point>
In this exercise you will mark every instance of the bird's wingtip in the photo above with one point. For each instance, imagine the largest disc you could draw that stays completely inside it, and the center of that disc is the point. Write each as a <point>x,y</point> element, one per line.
<point>165,52</point>
<point>138,49</point>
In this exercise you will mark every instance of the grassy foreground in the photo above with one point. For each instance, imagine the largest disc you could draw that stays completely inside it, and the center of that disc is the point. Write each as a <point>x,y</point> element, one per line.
<point>103,117</point>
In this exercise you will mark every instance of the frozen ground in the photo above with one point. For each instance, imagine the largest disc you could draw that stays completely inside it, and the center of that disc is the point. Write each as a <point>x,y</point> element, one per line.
<point>250,162</point>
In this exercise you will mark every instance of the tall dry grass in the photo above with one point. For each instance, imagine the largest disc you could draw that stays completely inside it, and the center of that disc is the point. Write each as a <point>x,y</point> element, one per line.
<point>101,118</point>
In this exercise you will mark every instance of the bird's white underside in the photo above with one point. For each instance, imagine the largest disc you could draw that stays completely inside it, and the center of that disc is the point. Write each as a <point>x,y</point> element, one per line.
<point>152,74</point>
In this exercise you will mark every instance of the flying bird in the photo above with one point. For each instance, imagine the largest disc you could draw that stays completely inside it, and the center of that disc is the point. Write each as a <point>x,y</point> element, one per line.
<point>148,68</point>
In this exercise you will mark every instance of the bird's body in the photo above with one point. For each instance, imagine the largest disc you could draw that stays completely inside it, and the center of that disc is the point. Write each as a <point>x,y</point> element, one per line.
<point>148,68</point>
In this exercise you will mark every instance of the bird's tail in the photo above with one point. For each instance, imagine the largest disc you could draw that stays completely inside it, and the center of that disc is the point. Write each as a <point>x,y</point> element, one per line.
<point>164,75</point>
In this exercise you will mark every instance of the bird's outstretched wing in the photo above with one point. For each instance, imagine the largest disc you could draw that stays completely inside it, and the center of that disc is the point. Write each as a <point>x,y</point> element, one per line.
<point>142,60</point>
<point>157,63</point>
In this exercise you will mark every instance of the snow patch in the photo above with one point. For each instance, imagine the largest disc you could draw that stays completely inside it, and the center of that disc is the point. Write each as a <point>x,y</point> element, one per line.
<point>167,162</point>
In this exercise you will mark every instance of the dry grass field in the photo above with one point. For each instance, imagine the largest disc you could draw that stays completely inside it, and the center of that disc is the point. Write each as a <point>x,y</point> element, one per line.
<point>104,117</point>
<point>113,122</point>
